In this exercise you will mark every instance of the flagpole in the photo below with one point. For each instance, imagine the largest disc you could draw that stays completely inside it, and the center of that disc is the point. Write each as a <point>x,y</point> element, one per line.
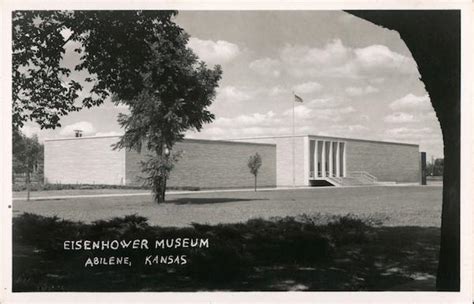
<point>293,137</point>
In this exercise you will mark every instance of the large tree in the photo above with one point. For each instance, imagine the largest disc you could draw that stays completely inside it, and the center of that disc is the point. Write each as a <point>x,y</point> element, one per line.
<point>434,39</point>
<point>139,57</point>
<point>177,89</point>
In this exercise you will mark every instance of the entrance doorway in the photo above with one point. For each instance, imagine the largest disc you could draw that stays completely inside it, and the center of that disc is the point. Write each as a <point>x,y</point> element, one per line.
<point>327,158</point>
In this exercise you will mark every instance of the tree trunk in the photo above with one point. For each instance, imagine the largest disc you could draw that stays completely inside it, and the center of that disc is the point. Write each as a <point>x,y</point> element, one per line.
<point>255,186</point>
<point>160,187</point>
<point>448,276</point>
<point>163,189</point>
<point>27,185</point>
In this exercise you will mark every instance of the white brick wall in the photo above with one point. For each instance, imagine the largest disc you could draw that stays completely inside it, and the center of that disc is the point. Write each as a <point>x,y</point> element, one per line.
<point>284,158</point>
<point>85,160</point>
<point>387,161</point>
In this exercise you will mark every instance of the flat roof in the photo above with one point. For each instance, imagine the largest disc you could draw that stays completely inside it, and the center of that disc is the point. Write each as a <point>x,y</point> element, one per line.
<point>327,137</point>
<point>207,141</point>
<point>242,139</point>
<point>82,137</point>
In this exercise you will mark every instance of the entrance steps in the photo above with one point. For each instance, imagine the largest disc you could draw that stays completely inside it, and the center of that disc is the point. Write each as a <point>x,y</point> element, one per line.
<point>355,178</point>
<point>349,181</point>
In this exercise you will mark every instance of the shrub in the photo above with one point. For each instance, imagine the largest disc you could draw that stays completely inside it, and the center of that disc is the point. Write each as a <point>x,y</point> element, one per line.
<point>235,250</point>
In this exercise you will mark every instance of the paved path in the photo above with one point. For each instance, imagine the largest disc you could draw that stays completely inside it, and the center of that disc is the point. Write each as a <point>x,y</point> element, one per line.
<point>401,205</point>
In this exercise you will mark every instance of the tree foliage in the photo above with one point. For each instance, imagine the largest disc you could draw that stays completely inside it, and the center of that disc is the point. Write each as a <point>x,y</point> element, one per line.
<point>176,90</point>
<point>114,48</point>
<point>27,152</point>
<point>436,167</point>
<point>139,57</point>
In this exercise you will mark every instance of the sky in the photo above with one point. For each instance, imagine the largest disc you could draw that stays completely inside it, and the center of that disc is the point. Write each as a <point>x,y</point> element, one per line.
<point>356,79</point>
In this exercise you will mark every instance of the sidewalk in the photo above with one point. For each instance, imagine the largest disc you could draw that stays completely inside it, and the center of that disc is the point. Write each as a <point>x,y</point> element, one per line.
<point>126,192</point>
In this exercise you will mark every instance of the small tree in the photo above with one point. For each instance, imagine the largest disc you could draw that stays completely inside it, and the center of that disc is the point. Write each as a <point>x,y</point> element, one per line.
<point>27,153</point>
<point>254,164</point>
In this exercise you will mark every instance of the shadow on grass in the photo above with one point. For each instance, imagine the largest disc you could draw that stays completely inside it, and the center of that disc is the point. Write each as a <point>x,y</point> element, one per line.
<point>281,254</point>
<point>210,200</point>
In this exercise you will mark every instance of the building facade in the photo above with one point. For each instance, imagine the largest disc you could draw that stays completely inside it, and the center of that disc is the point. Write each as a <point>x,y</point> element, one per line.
<point>340,160</point>
<point>203,163</point>
<point>287,161</point>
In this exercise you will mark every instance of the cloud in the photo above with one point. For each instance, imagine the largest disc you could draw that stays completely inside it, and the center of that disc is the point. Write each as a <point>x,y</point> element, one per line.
<point>399,117</point>
<point>322,114</point>
<point>375,56</point>
<point>301,112</point>
<point>30,130</point>
<point>214,52</point>
<point>255,119</point>
<point>334,114</point>
<point>329,102</point>
<point>412,102</point>
<point>86,127</point>
<point>377,80</point>
<point>334,59</point>
<point>308,87</point>
<point>234,94</point>
<point>405,133</point>
<point>266,67</point>
<point>303,61</point>
<point>246,125</point>
<point>110,133</point>
<point>358,91</point>
<point>277,90</point>
<point>344,130</point>
<point>311,118</point>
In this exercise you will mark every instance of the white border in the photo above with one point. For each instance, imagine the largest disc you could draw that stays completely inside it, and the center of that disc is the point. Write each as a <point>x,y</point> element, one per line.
<point>232,297</point>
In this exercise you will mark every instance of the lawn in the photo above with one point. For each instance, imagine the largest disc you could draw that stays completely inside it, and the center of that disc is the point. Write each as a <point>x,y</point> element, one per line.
<point>399,206</point>
<point>269,240</point>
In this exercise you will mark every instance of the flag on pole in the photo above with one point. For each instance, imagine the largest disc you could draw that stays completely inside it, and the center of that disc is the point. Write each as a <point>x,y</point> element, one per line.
<point>298,99</point>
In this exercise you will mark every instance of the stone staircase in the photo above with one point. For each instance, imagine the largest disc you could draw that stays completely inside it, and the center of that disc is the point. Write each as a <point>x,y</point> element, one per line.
<point>356,178</point>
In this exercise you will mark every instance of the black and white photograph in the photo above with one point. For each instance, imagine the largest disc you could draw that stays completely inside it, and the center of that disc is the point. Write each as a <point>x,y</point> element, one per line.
<point>210,152</point>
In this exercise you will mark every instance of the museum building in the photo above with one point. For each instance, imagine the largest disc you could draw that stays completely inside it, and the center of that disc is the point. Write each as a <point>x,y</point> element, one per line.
<point>302,160</point>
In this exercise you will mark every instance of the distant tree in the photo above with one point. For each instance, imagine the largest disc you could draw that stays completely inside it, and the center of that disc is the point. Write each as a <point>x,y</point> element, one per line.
<point>438,167</point>
<point>429,168</point>
<point>27,154</point>
<point>254,164</point>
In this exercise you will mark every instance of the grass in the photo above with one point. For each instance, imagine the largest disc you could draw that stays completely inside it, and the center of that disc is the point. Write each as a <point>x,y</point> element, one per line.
<point>400,206</point>
<point>318,252</point>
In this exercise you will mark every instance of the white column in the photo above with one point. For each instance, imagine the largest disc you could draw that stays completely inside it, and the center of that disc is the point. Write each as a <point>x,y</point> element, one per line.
<point>344,164</point>
<point>338,160</point>
<point>306,157</point>
<point>323,160</point>
<point>315,158</point>
<point>330,158</point>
